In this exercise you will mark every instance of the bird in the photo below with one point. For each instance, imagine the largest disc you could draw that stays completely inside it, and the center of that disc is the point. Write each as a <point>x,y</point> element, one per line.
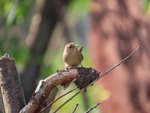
<point>72,55</point>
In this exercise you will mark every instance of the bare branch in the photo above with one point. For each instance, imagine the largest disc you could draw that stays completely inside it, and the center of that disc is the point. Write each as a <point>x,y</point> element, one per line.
<point>75,108</point>
<point>120,62</point>
<point>90,109</point>
<point>51,97</point>
<point>45,87</point>
<point>67,101</point>
<point>1,103</point>
<point>84,78</point>
<point>60,78</point>
<point>56,100</point>
<point>10,86</point>
<point>116,65</point>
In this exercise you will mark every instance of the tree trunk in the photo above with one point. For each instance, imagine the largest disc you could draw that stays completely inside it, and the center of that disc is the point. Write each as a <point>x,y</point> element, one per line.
<point>117,27</point>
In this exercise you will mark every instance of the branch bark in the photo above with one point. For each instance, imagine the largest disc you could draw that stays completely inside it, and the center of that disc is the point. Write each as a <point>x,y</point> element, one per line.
<point>1,104</point>
<point>60,78</point>
<point>45,87</point>
<point>11,91</point>
<point>51,98</point>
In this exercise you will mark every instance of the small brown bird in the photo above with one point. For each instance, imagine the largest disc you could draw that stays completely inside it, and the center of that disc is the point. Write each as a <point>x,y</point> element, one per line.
<point>72,55</point>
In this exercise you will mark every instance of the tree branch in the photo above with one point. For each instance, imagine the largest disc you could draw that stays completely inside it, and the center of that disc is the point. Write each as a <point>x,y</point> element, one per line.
<point>121,61</point>
<point>43,109</point>
<point>59,78</point>
<point>82,77</point>
<point>75,108</point>
<point>90,109</point>
<point>11,90</point>
<point>67,101</point>
<point>51,97</point>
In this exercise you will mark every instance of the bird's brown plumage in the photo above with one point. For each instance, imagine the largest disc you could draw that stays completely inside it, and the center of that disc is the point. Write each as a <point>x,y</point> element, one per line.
<point>72,56</point>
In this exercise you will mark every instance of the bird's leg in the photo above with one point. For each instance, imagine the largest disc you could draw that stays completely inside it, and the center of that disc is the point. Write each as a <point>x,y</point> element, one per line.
<point>59,72</point>
<point>67,67</point>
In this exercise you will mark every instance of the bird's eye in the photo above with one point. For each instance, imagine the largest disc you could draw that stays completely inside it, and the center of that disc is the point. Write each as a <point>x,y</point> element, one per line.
<point>70,47</point>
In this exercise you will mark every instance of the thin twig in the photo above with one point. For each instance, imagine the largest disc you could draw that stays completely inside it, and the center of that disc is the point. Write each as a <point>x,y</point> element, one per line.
<point>67,101</point>
<point>116,65</point>
<point>90,109</point>
<point>110,69</point>
<point>75,108</point>
<point>56,100</point>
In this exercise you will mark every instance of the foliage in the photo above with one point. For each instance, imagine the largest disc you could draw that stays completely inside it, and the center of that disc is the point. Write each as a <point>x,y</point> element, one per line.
<point>146,5</point>
<point>15,49</point>
<point>14,11</point>
<point>79,6</point>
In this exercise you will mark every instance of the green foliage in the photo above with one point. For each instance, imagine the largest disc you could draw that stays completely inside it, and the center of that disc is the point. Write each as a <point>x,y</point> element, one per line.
<point>14,12</point>
<point>77,6</point>
<point>15,49</point>
<point>146,5</point>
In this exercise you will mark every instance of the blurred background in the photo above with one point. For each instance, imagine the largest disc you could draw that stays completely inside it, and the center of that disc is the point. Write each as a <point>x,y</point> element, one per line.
<point>35,32</point>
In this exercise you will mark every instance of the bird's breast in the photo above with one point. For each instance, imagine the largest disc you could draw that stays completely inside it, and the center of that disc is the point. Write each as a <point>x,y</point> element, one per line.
<point>73,58</point>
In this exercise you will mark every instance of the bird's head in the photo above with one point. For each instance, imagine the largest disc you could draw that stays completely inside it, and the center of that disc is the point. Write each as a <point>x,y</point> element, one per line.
<point>71,47</point>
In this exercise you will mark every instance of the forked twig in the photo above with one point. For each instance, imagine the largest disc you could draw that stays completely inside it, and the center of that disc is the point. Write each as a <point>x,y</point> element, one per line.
<point>67,101</point>
<point>90,109</point>
<point>121,61</point>
<point>56,100</point>
<point>75,108</point>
